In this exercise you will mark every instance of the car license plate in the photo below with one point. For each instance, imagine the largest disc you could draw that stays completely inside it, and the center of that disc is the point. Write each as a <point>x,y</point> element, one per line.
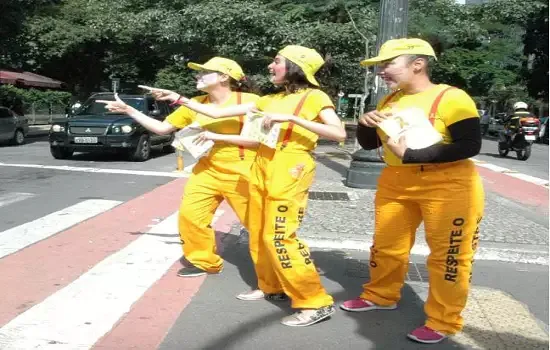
<point>85,140</point>
<point>530,137</point>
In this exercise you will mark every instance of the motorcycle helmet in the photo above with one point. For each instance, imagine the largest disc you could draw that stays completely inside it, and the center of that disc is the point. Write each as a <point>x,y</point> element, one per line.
<point>520,105</point>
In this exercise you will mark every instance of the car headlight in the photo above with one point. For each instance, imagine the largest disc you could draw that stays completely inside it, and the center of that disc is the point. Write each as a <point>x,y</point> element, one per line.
<point>58,128</point>
<point>126,129</point>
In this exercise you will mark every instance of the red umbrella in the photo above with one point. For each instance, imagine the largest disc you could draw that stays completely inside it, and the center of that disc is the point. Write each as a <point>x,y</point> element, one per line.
<point>28,79</point>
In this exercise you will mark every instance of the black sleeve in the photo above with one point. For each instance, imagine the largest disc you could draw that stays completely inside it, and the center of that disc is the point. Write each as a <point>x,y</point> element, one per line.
<point>466,135</point>
<point>367,137</point>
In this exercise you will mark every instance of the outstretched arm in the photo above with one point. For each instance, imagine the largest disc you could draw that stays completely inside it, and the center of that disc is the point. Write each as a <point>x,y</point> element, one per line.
<point>208,110</point>
<point>151,124</point>
<point>232,139</point>
<point>216,112</point>
<point>330,128</point>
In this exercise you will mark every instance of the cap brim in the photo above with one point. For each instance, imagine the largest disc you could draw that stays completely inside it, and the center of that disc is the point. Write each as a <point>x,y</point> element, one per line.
<point>195,66</point>
<point>312,79</point>
<point>376,60</point>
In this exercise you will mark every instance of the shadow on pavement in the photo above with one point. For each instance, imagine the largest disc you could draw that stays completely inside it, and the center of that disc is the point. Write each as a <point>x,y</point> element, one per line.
<point>495,155</point>
<point>215,319</point>
<point>260,323</point>
<point>112,156</point>
<point>333,165</point>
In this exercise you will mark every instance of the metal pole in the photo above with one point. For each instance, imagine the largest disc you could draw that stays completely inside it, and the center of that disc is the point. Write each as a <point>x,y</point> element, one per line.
<point>393,24</point>
<point>367,165</point>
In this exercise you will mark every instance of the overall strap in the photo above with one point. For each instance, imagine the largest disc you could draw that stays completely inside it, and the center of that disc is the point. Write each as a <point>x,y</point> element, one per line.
<point>435,105</point>
<point>296,112</point>
<point>241,124</point>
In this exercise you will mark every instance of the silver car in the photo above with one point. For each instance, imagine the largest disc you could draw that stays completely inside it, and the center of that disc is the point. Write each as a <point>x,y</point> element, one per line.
<point>13,128</point>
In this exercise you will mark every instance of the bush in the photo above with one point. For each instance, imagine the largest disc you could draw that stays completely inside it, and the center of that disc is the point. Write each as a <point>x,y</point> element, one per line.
<point>17,98</point>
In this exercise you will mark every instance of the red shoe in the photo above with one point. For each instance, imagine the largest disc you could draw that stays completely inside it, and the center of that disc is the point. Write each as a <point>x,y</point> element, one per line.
<point>426,335</point>
<point>358,304</point>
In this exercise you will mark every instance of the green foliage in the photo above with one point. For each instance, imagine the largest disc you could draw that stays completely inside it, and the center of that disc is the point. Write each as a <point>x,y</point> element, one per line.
<point>12,96</point>
<point>498,50</point>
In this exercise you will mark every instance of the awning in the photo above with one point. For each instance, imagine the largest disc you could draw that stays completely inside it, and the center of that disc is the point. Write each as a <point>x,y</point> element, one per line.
<point>28,79</point>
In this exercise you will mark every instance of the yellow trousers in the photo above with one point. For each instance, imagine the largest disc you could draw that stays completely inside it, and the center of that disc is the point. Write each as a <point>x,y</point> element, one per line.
<point>279,184</point>
<point>449,198</point>
<point>210,184</point>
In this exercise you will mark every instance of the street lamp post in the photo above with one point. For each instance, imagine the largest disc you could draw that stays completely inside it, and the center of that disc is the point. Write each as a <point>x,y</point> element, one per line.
<point>366,165</point>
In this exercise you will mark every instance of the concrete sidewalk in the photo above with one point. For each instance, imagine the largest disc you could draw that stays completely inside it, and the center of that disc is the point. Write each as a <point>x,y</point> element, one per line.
<point>342,217</point>
<point>494,318</point>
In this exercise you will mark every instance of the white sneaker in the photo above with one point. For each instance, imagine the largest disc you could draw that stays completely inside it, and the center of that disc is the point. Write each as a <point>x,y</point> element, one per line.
<point>257,294</point>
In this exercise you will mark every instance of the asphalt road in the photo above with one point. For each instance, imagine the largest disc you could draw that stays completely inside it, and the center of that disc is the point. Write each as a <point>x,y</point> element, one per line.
<point>536,165</point>
<point>56,188</point>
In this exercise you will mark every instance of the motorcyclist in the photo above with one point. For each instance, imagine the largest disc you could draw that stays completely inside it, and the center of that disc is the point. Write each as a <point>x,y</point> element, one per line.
<point>512,122</point>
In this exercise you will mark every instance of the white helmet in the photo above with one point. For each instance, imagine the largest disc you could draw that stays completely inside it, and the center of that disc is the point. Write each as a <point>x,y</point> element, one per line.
<point>520,105</point>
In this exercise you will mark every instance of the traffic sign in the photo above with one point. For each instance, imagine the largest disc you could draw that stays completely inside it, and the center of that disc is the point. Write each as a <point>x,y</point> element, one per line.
<point>355,95</point>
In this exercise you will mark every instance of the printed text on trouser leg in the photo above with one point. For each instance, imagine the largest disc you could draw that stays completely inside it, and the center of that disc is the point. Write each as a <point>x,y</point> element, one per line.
<point>455,238</point>
<point>372,259</point>
<point>278,238</point>
<point>304,252</point>
<point>301,213</point>
<point>475,240</point>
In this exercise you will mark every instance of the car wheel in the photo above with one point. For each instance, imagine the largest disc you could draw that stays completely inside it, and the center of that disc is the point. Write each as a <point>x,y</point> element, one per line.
<point>61,152</point>
<point>143,150</point>
<point>18,137</point>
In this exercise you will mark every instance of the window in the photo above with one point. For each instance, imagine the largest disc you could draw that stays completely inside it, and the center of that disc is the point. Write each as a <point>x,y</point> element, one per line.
<point>95,108</point>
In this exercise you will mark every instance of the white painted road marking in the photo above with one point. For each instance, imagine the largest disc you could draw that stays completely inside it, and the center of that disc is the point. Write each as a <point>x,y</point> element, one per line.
<point>512,173</point>
<point>13,197</point>
<point>185,173</point>
<point>517,255</point>
<point>77,316</point>
<point>31,232</point>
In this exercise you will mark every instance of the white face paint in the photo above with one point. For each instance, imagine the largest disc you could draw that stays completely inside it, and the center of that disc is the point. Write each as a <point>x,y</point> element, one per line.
<point>207,80</point>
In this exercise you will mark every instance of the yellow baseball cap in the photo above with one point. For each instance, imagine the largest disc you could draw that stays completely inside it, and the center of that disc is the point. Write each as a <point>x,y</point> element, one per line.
<point>397,47</point>
<point>307,59</point>
<point>222,65</point>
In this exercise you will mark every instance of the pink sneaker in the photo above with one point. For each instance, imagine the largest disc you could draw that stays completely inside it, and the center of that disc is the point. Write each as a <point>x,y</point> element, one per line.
<point>426,335</point>
<point>359,304</point>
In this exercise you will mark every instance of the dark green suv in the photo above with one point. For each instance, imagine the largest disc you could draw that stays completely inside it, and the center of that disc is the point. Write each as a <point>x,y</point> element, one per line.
<point>92,128</point>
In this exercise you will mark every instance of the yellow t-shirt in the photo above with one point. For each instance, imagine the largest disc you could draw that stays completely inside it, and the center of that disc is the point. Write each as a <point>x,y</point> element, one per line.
<point>455,105</point>
<point>183,116</point>
<point>283,103</point>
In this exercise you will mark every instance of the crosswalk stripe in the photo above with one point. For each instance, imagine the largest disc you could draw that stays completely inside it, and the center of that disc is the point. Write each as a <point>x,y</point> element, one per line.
<point>31,232</point>
<point>185,173</point>
<point>78,315</point>
<point>13,197</point>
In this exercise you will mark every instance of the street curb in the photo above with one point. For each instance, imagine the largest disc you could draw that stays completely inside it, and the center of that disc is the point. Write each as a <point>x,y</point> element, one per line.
<point>525,256</point>
<point>38,130</point>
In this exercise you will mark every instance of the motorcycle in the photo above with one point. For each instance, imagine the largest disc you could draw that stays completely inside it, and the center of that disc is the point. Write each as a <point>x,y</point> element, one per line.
<point>519,139</point>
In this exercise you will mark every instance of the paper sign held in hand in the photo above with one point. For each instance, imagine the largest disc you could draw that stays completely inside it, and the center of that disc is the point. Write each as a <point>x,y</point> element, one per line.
<point>414,125</point>
<point>253,128</point>
<point>184,140</point>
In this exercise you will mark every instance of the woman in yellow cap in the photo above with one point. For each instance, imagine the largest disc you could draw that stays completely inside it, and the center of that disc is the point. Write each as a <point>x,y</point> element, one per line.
<point>436,184</point>
<point>280,180</point>
<point>223,173</point>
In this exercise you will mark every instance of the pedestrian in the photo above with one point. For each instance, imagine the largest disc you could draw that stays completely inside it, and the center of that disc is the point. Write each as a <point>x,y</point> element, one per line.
<point>223,174</point>
<point>438,185</point>
<point>280,180</point>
